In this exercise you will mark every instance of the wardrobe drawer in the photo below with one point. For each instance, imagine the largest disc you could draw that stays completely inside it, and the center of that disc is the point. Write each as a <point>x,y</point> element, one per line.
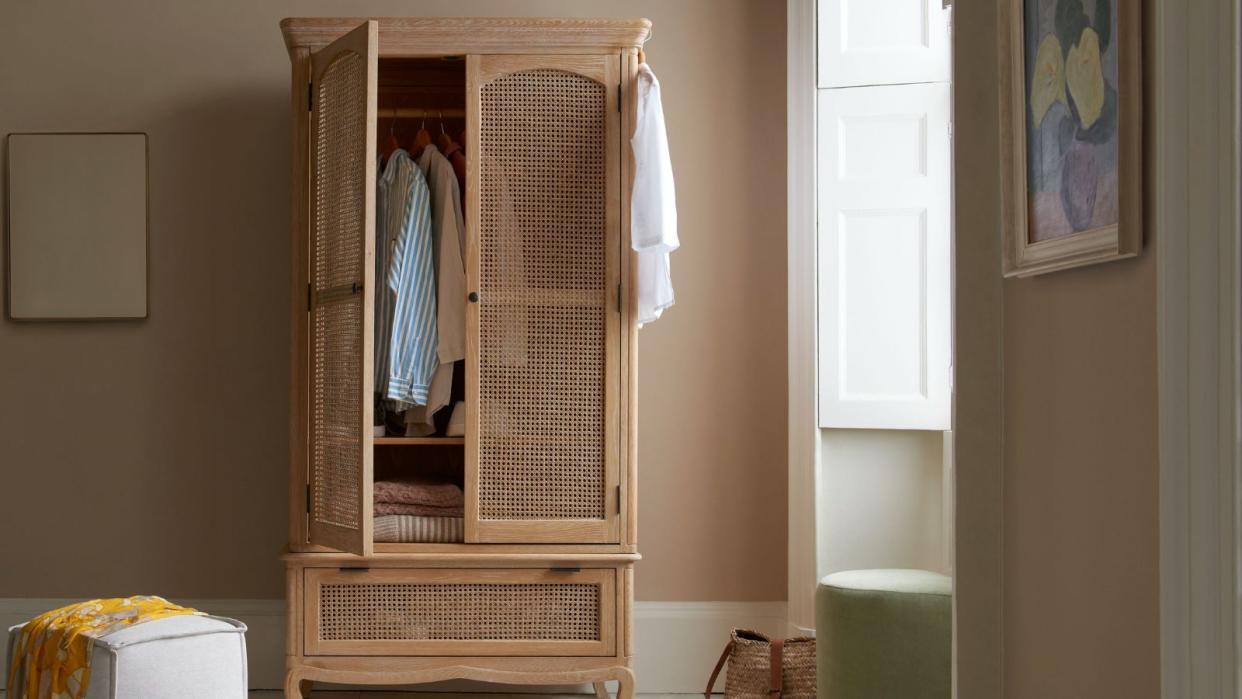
<point>467,611</point>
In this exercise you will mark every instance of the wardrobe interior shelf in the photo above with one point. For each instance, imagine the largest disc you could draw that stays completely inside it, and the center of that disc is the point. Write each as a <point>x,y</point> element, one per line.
<point>435,441</point>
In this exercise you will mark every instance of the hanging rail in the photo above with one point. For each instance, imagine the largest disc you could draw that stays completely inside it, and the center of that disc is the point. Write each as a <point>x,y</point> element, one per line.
<point>412,113</point>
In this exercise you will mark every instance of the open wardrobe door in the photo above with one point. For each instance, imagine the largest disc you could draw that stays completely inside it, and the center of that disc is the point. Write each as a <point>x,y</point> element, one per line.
<point>544,329</point>
<point>342,258</point>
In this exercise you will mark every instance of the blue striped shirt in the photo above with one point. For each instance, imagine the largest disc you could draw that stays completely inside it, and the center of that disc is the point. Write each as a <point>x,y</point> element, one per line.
<point>383,295</point>
<point>406,307</point>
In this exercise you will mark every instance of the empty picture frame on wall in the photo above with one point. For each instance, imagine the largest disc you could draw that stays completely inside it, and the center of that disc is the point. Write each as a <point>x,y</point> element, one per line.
<point>1071,133</point>
<point>76,242</point>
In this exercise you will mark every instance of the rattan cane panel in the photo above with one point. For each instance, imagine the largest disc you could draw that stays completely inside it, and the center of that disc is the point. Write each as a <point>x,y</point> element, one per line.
<point>338,241</point>
<point>459,612</point>
<point>336,414</point>
<point>542,236</point>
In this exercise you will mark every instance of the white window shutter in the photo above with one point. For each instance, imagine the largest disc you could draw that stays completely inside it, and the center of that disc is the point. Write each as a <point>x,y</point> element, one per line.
<point>884,265</point>
<point>882,42</point>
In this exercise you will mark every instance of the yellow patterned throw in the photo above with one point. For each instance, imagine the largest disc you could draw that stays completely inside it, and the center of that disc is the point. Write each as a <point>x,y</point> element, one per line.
<point>54,649</point>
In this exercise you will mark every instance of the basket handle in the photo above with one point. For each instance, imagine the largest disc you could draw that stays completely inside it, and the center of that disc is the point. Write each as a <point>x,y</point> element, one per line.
<point>774,669</point>
<point>711,682</point>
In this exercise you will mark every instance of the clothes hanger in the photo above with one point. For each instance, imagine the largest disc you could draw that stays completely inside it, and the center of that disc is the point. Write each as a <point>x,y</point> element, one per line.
<point>422,139</point>
<point>444,140</point>
<point>391,144</point>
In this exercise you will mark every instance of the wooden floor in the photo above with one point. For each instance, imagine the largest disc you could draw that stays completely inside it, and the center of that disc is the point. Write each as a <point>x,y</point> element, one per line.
<point>352,694</point>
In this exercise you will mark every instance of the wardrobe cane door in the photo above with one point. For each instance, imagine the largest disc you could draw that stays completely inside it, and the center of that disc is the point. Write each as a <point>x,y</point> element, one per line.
<point>543,334</point>
<point>342,257</point>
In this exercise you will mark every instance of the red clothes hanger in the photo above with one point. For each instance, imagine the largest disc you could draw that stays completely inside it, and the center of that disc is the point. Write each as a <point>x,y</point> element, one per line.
<point>444,140</point>
<point>422,139</point>
<point>391,144</point>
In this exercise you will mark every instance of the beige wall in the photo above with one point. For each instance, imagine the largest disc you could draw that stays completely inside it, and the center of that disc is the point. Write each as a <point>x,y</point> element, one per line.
<point>167,438</point>
<point>1081,472</point>
<point>1082,565</point>
<point>1079,603</point>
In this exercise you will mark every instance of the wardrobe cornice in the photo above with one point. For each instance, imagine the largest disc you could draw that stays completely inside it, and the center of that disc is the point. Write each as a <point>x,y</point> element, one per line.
<point>421,36</point>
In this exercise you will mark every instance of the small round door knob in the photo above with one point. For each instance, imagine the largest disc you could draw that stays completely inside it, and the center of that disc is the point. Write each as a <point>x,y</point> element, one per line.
<point>473,296</point>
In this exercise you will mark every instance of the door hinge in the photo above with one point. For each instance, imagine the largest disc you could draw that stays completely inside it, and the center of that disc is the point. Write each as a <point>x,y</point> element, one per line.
<point>618,498</point>
<point>310,96</point>
<point>618,297</point>
<point>619,94</point>
<point>308,498</point>
<point>309,296</point>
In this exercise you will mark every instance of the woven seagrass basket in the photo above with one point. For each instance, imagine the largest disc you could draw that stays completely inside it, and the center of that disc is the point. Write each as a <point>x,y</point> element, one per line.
<point>750,655</point>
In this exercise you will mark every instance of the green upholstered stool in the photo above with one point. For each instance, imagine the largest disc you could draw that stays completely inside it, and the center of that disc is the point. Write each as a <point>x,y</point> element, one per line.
<point>884,634</point>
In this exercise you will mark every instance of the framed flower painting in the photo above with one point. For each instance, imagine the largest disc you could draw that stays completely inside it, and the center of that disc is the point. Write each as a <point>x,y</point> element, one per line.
<point>1071,133</point>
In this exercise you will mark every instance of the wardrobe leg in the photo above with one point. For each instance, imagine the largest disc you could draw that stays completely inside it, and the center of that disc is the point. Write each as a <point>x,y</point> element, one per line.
<point>295,686</point>
<point>625,684</point>
<point>601,690</point>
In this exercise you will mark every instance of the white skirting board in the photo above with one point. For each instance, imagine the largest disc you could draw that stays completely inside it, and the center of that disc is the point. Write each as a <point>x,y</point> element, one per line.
<point>676,644</point>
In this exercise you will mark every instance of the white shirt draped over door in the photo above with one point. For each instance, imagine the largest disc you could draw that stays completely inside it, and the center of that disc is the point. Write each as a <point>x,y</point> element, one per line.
<point>653,207</point>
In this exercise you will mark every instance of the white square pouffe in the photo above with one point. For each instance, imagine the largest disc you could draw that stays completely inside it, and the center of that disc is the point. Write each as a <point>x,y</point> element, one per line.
<point>189,657</point>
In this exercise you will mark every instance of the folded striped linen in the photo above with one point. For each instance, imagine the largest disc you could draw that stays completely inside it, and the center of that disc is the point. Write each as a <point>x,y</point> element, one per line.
<point>412,529</point>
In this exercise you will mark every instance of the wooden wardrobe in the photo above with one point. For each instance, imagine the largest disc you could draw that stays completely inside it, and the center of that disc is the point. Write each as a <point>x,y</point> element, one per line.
<point>541,589</point>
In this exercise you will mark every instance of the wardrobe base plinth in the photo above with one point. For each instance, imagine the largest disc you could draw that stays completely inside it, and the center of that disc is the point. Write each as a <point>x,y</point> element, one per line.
<point>305,671</point>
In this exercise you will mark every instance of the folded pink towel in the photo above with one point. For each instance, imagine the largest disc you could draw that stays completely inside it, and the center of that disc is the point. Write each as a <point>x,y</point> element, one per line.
<point>415,491</point>
<point>403,508</point>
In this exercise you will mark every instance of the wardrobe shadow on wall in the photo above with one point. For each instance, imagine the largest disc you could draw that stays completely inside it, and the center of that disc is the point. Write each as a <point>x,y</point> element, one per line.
<point>159,427</point>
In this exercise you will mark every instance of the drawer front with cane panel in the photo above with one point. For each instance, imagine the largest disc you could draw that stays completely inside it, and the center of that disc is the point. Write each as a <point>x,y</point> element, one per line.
<point>460,612</point>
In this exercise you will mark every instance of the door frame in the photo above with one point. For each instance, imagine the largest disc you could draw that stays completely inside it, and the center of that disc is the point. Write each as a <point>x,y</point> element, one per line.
<point>1196,189</point>
<point>803,316</point>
